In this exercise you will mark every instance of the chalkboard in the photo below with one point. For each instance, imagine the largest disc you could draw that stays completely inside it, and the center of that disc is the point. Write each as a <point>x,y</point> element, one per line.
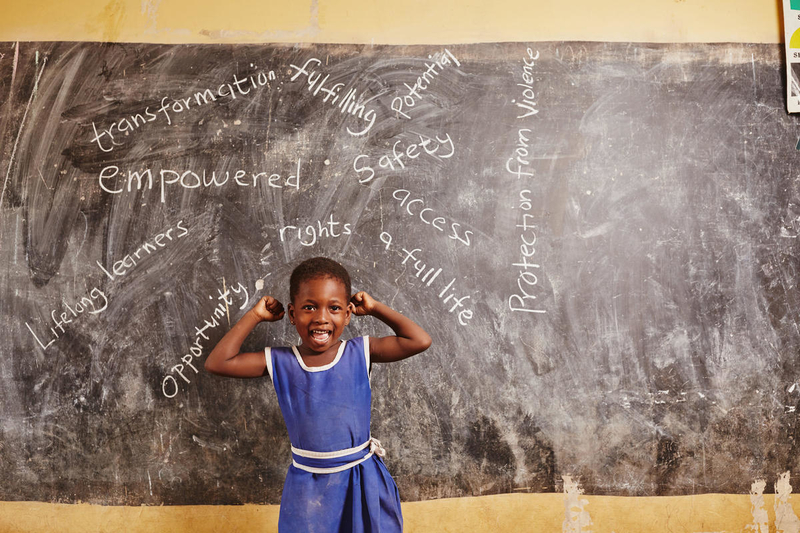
<point>602,240</point>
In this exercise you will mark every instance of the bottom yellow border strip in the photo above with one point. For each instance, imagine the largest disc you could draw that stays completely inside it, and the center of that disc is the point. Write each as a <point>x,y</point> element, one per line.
<point>542,513</point>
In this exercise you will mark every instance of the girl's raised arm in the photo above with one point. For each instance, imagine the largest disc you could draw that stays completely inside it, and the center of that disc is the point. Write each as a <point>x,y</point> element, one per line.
<point>409,338</point>
<point>226,359</point>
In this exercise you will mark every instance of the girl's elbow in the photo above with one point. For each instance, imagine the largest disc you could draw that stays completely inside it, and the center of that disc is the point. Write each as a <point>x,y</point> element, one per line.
<point>425,343</point>
<point>210,367</point>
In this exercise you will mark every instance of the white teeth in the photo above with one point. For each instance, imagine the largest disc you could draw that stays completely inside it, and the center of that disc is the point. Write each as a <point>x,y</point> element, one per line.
<point>320,335</point>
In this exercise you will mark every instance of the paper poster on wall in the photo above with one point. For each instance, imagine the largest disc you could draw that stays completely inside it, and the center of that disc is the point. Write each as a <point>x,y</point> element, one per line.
<point>791,27</point>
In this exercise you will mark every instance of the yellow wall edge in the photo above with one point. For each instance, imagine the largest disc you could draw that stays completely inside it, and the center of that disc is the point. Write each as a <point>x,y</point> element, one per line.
<point>495,514</point>
<point>392,22</point>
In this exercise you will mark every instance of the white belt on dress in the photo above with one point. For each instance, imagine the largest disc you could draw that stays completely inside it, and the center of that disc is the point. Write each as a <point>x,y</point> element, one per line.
<point>373,444</point>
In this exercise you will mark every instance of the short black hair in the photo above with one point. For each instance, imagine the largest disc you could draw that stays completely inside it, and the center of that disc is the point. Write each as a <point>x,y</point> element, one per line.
<point>314,268</point>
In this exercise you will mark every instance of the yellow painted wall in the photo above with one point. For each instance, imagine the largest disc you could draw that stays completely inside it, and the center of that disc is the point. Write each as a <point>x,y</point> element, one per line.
<point>394,22</point>
<point>528,513</point>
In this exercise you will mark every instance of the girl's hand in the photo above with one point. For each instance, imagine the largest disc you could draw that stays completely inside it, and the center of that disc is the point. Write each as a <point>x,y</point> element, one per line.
<point>268,309</point>
<point>363,304</point>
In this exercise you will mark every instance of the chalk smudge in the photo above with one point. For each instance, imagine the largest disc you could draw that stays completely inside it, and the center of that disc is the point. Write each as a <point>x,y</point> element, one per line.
<point>22,122</point>
<point>205,444</point>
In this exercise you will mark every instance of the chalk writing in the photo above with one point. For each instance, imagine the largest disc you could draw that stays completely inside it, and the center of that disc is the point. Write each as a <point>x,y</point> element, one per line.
<point>123,266</point>
<point>309,235</point>
<point>412,151</point>
<point>169,385</point>
<point>427,275</point>
<point>113,181</point>
<point>523,299</point>
<point>96,302</point>
<point>521,151</point>
<point>105,137</point>
<point>415,92</point>
<point>351,103</point>
<point>429,216</point>
<point>515,163</point>
<point>528,103</point>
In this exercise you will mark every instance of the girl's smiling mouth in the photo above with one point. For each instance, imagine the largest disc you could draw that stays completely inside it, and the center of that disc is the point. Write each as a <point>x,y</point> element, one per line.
<point>321,335</point>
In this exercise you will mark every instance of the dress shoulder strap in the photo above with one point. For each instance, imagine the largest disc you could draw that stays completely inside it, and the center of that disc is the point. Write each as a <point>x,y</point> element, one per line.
<point>366,357</point>
<point>268,357</point>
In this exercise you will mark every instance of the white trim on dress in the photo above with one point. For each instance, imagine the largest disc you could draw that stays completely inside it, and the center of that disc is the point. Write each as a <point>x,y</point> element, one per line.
<point>268,358</point>
<point>375,448</point>
<point>366,358</point>
<point>329,455</point>
<point>319,368</point>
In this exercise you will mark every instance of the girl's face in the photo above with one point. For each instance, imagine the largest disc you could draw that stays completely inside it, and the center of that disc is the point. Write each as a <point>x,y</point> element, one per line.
<point>320,311</point>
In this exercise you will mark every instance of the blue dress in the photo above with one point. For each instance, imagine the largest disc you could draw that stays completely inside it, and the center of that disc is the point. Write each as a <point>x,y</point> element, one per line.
<point>337,482</point>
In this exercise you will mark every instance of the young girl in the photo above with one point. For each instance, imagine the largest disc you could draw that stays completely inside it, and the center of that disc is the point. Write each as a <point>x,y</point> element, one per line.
<point>337,482</point>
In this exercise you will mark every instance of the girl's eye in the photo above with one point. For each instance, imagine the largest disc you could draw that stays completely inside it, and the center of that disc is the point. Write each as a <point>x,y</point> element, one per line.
<point>308,307</point>
<point>335,308</point>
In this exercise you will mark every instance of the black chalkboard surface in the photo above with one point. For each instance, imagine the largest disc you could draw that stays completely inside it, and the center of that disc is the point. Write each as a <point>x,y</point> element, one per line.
<point>602,239</point>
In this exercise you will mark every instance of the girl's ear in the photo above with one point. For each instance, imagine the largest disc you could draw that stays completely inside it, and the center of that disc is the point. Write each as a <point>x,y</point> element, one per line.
<point>351,309</point>
<point>291,313</point>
